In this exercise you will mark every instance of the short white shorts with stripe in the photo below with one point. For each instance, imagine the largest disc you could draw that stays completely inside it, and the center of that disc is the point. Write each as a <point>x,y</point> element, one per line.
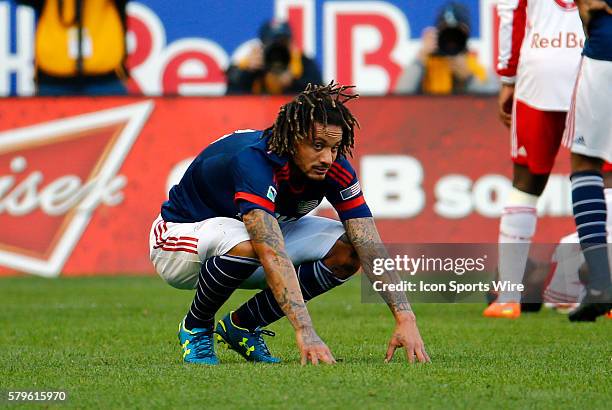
<point>588,128</point>
<point>177,250</point>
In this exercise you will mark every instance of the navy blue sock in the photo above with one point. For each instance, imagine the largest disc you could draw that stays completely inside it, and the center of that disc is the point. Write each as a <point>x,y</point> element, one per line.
<point>219,277</point>
<point>590,214</point>
<point>314,277</point>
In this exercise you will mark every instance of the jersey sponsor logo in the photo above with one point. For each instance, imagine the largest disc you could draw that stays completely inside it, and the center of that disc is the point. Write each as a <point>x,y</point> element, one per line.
<point>271,193</point>
<point>351,191</point>
<point>303,207</point>
<point>561,40</point>
<point>567,5</point>
<point>59,173</point>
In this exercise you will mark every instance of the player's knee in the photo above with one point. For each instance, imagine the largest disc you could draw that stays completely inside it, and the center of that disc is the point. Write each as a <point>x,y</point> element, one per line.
<point>582,163</point>
<point>244,249</point>
<point>342,259</point>
<point>526,181</point>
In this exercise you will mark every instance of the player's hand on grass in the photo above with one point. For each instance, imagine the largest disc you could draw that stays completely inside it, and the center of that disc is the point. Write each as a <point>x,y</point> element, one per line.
<point>406,335</point>
<point>504,102</point>
<point>312,348</point>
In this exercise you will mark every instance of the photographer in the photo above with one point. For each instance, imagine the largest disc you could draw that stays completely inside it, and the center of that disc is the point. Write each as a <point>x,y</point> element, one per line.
<point>80,47</point>
<point>273,66</point>
<point>444,65</point>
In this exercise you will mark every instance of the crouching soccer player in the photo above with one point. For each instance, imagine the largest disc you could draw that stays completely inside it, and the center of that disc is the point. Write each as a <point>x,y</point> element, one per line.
<point>241,206</point>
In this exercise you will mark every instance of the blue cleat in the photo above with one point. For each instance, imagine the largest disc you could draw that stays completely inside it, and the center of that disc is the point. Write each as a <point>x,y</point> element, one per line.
<point>198,345</point>
<point>249,344</point>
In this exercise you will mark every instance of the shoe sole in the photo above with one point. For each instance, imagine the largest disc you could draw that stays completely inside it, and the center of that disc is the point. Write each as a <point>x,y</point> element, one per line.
<point>510,316</point>
<point>502,316</point>
<point>590,313</point>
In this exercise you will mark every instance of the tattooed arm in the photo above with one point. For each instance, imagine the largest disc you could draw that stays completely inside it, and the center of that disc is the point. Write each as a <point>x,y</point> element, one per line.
<point>269,245</point>
<point>365,239</point>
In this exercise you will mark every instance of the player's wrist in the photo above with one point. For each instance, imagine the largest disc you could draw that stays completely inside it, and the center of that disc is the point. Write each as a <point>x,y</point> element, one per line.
<point>307,335</point>
<point>303,327</point>
<point>405,317</point>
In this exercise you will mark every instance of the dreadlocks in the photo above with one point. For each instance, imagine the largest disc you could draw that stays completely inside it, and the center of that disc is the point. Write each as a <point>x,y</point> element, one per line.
<point>323,104</point>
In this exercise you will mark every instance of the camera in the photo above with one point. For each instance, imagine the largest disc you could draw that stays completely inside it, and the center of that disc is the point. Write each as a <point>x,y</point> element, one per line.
<point>276,56</point>
<point>275,37</point>
<point>452,41</point>
<point>453,24</point>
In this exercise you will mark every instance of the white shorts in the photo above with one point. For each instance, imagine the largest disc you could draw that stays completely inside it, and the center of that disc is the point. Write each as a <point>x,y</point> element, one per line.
<point>177,250</point>
<point>588,130</point>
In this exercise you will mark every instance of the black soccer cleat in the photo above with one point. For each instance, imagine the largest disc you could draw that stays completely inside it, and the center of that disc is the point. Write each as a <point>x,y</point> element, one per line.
<point>531,307</point>
<point>596,303</point>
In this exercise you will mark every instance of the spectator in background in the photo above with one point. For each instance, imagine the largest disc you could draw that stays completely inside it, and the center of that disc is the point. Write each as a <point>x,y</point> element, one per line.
<point>273,66</point>
<point>80,46</point>
<point>444,65</point>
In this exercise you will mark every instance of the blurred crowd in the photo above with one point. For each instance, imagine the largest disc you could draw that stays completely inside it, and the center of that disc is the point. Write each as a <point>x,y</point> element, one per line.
<point>81,50</point>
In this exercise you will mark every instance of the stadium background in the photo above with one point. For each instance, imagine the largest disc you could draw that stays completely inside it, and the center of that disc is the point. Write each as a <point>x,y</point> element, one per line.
<point>82,178</point>
<point>184,49</point>
<point>432,171</point>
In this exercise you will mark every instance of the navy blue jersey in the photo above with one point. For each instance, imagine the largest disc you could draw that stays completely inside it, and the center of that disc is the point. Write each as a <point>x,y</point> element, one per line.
<point>599,40</point>
<point>237,174</point>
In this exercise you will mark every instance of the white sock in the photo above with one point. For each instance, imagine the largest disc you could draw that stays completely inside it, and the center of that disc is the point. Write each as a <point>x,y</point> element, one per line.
<point>516,228</point>
<point>608,195</point>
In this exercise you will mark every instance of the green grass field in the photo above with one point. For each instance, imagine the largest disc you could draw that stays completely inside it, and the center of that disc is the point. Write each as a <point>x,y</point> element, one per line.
<point>111,343</point>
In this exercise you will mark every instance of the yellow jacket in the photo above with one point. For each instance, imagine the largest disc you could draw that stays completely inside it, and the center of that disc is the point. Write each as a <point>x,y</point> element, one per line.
<point>438,76</point>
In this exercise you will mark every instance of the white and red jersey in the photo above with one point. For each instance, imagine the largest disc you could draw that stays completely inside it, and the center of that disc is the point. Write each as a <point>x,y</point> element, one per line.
<point>540,42</point>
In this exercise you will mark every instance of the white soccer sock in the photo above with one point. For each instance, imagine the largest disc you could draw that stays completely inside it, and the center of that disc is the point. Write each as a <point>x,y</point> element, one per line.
<point>608,195</point>
<point>516,228</point>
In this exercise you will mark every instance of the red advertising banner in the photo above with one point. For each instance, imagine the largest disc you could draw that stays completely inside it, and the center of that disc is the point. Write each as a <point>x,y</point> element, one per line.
<point>82,179</point>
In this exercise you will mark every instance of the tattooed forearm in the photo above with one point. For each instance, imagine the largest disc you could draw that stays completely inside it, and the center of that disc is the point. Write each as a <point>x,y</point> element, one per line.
<point>264,229</point>
<point>310,337</point>
<point>364,236</point>
<point>269,245</point>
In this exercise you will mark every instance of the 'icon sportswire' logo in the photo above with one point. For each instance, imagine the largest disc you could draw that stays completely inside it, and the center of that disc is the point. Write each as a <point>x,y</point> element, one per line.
<point>52,178</point>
